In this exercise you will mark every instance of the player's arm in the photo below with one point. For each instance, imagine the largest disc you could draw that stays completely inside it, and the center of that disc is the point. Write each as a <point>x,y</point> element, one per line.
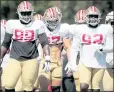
<point>74,49</point>
<point>108,47</point>
<point>75,46</point>
<point>7,40</point>
<point>6,44</point>
<point>44,43</point>
<point>67,46</point>
<point>67,40</point>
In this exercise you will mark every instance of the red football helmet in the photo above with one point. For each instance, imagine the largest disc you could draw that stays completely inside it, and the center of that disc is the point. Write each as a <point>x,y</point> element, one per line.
<point>80,16</point>
<point>25,11</point>
<point>93,16</point>
<point>52,18</point>
<point>38,17</point>
<point>58,11</point>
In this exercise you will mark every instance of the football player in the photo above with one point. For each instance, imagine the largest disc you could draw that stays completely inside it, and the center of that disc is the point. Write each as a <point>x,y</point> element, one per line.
<point>93,40</point>
<point>108,74</point>
<point>2,26</point>
<point>39,58</point>
<point>18,86</point>
<point>23,55</point>
<point>79,19</point>
<point>58,34</point>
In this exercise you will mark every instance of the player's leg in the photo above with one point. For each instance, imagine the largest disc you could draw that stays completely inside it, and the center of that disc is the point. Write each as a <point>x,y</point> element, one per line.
<point>85,77</point>
<point>29,74</point>
<point>108,80</point>
<point>3,79</point>
<point>19,87</point>
<point>77,81</point>
<point>76,75</point>
<point>68,84</point>
<point>43,78</point>
<point>13,72</point>
<point>36,84</point>
<point>4,65</point>
<point>56,78</point>
<point>97,79</point>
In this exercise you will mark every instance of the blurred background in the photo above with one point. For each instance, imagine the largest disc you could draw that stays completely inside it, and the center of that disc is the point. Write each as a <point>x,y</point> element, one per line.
<point>68,8</point>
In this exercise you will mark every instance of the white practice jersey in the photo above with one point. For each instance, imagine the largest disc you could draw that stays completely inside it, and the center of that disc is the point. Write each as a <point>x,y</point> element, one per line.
<point>57,36</point>
<point>88,40</point>
<point>6,57</point>
<point>73,29</point>
<point>109,59</point>
<point>24,38</point>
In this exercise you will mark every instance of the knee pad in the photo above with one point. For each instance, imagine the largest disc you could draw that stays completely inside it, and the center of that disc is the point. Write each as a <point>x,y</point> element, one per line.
<point>9,86</point>
<point>55,88</point>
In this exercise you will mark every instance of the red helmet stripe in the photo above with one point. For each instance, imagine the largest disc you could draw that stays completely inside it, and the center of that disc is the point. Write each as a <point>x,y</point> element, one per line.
<point>82,14</point>
<point>26,4</point>
<point>94,9</point>
<point>51,12</point>
<point>79,15</point>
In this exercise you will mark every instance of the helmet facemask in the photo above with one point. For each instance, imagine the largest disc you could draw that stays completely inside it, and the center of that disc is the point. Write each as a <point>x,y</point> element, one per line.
<point>52,24</point>
<point>92,19</point>
<point>26,17</point>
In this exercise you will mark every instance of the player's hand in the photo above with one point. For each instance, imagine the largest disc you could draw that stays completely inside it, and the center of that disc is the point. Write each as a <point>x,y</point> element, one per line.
<point>70,68</point>
<point>46,66</point>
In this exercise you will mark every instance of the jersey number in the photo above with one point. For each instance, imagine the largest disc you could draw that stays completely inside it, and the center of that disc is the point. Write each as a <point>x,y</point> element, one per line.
<point>96,38</point>
<point>54,39</point>
<point>27,35</point>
